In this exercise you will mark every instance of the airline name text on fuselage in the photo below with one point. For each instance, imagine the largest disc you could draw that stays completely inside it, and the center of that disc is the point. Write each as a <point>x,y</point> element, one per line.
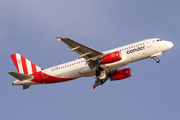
<point>135,50</point>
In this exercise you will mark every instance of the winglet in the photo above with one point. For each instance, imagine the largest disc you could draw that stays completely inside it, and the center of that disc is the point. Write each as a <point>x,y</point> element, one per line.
<point>93,86</point>
<point>59,38</point>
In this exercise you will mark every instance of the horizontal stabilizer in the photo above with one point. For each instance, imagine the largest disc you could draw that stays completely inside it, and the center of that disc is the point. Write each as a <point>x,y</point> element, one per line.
<point>20,76</point>
<point>26,86</point>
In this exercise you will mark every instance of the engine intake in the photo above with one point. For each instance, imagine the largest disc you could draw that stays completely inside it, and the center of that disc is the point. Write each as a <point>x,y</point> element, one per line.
<point>121,74</point>
<point>110,58</point>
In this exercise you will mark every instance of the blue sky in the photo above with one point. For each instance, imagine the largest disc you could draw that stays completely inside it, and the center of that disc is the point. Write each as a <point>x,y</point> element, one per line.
<point>31,27</point>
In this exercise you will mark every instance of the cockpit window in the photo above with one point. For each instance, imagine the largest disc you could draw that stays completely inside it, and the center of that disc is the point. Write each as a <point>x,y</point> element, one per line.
<point>159,40</point>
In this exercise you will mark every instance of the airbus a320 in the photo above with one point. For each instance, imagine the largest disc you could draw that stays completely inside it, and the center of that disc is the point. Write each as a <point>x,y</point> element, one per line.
<point>103,65</point>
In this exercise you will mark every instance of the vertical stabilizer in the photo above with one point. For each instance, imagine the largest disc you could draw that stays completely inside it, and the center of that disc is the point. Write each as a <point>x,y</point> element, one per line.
<point>23,65</point>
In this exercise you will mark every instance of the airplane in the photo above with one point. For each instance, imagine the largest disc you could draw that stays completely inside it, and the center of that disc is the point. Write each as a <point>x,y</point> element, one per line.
<point>103,65</point>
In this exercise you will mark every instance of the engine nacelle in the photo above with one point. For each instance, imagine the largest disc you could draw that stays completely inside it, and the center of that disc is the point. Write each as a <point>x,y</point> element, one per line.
<point>121,74</point>
<point>112,57</point>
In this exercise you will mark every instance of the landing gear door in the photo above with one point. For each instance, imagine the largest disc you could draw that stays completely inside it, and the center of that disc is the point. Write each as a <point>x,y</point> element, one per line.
<point>148,43</point>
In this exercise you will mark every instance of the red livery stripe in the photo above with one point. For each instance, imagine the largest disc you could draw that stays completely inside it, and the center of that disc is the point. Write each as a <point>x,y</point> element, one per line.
<point>24,65</point>
<point>38,77</point>
<point>13,57</point>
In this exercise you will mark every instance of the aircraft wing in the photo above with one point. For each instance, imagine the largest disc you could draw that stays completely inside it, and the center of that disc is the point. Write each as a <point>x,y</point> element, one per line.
<point>83,51</point>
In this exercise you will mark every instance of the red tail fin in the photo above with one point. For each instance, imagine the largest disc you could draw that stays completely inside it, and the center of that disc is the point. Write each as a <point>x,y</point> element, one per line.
<point>23,65</point>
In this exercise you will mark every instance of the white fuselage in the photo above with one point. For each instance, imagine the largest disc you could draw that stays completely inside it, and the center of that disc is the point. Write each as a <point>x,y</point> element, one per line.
<point>130,53</point>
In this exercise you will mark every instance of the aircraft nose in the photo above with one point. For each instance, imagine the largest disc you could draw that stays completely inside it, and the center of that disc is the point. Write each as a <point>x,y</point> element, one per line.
<point>170,44</point>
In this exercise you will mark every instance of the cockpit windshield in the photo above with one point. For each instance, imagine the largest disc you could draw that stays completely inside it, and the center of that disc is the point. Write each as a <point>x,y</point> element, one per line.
<point>159,40</point>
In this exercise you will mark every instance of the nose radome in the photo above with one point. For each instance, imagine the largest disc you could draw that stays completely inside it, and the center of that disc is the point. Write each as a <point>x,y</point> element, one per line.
<point>170,44</point>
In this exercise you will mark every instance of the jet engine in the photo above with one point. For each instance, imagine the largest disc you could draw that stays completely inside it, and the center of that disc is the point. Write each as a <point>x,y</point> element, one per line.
<point>112,57</point>
<point>121,74</point>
